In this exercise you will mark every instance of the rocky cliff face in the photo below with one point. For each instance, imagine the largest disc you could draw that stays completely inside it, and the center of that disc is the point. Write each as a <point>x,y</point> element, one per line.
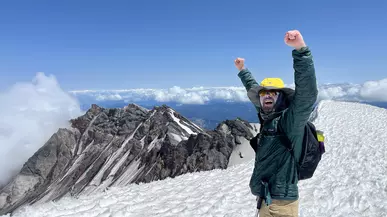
<point>117,147</point>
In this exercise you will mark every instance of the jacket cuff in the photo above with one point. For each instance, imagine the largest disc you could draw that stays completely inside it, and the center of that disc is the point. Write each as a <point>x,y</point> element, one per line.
<point>243,72</point>
<point>303,50</point>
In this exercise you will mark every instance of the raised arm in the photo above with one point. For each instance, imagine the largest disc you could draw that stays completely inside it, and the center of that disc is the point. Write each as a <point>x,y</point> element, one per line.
<point>245,75</point>
<point>306,91</point>
<point>247,79</point>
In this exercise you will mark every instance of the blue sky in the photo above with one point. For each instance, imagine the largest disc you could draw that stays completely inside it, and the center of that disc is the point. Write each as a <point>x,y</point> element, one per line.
<point>160,44</point>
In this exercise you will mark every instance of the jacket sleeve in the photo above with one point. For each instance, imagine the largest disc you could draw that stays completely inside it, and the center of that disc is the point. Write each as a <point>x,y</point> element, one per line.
<point>248,82</point>
<point>247,79</point>
<point>305,96</point>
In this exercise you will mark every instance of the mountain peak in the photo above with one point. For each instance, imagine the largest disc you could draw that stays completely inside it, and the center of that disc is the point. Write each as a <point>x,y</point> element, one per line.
<point>134,106</point>
<point>117,147</point>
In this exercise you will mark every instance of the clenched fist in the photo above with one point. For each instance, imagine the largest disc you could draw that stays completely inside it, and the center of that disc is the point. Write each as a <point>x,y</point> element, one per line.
<point>294,39</point>
<point>239,63</point>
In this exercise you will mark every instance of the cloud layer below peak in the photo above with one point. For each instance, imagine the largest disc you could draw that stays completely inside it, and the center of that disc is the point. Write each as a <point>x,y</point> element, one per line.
<point>375,91</point>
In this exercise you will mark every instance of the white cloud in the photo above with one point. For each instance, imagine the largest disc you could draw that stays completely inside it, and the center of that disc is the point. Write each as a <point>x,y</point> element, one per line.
<point>375,90</point>
<point>369,91</point>
<point>113,96</point>
<point>196,95</point>
<point>30,114</point>
<point>180,95</point>
<point>331,92</point>
<point>353,91</point>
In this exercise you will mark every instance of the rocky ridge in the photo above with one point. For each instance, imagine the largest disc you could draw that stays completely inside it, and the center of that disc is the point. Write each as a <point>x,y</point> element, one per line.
<point>117,147</point>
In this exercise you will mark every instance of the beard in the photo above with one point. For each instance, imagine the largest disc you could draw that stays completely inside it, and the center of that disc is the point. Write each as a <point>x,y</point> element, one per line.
<point>268,103</point>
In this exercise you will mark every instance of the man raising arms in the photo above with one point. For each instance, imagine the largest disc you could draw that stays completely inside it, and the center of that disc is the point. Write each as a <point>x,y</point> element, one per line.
<point>280,109</point>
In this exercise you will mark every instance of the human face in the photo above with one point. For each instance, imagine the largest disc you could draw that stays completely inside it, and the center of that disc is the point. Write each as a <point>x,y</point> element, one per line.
<point>268,99</point>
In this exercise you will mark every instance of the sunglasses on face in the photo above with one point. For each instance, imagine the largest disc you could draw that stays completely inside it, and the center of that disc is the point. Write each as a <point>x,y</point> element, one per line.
<point>268,92</point>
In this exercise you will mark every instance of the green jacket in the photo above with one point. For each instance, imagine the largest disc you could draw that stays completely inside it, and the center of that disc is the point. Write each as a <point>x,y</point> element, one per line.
<point>271,154</point>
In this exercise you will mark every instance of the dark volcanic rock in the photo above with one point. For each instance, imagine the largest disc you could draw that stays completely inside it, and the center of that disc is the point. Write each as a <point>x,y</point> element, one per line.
<point>117,147</point>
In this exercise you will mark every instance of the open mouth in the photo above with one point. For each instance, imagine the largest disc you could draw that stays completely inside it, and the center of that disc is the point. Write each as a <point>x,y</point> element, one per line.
<point>268,102</point>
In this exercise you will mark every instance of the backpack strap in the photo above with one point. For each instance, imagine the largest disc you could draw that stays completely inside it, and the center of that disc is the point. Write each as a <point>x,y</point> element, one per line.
<point>256,138</point>
<point>289,146</point>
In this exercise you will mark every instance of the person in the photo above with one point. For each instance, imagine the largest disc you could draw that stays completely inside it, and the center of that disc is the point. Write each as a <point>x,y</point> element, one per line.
<point>280,110</point>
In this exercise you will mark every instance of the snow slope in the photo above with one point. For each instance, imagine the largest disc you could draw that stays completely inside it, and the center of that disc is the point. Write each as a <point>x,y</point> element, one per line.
<point>351,179</point>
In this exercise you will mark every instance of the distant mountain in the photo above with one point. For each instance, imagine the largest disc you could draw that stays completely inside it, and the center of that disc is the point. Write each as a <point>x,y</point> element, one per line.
<point>209,115</point>
<point>378,104</point>
<point>118,146</point>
